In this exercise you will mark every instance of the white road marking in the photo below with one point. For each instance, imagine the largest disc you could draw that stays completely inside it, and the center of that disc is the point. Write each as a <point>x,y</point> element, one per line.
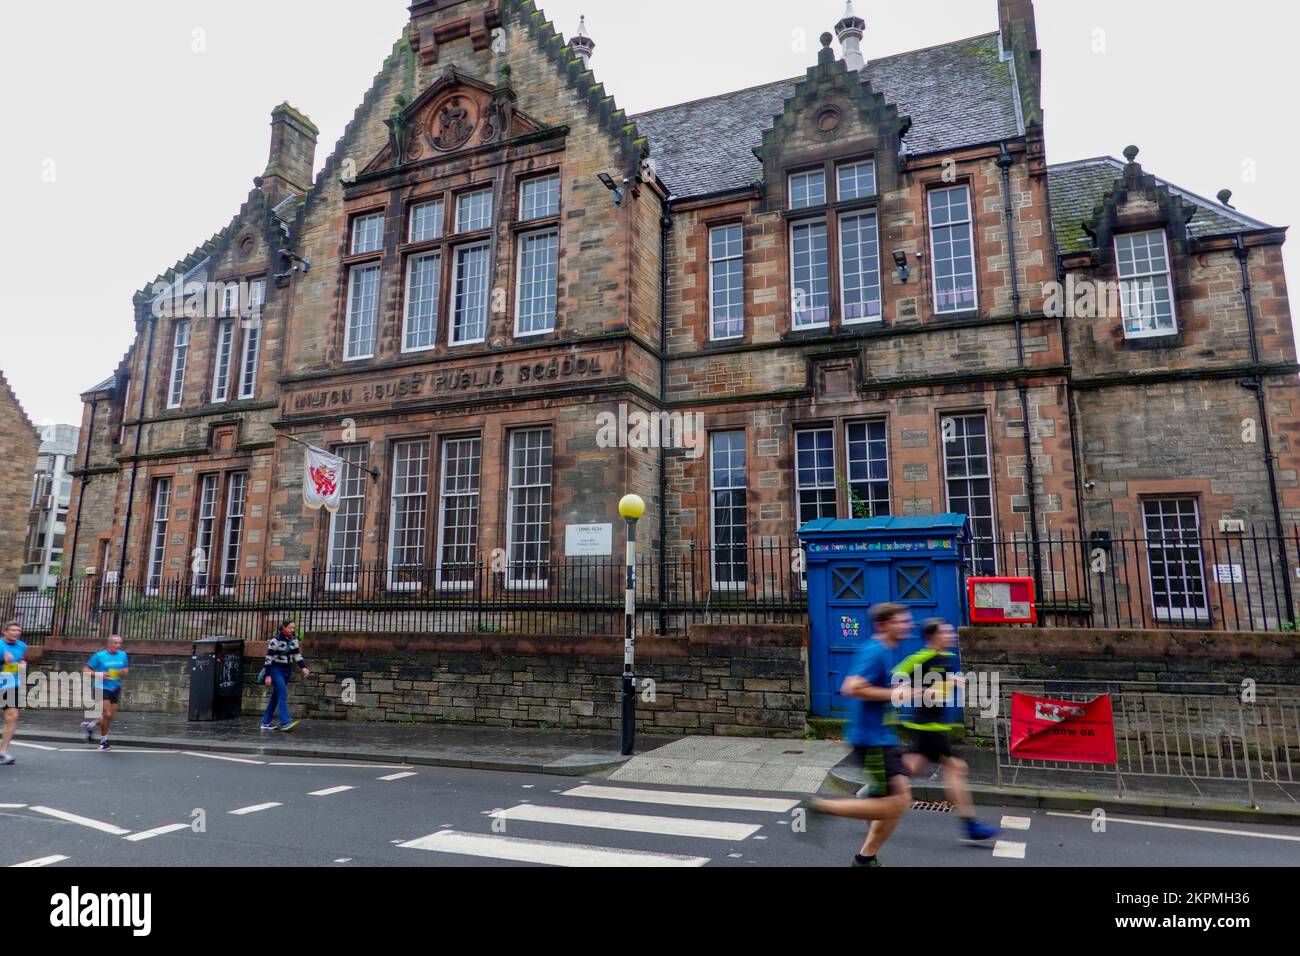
<point>1182,826</point>
<point>400,776</point>
<point>12,806</point>
<point>255,808</point>
<point>329,791</point>
<point>634,822</point>
<point>343,766</point>
<point>541,851</point>
<point>345,859</point>
<point>1009,850</point>
<point>674,798</point>
<point>196,753</point>
<point>1016,823</point>
<point>19,743</point>
<point>67,817</point>
<point>94,749</point>
<point>156,831</point>
<point>43,861</point>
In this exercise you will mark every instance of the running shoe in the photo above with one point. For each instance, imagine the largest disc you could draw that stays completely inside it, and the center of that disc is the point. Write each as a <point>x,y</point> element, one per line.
<point>6,760</point>
<point>89,727</point>
<point>269,727</point>
<point>103,744</point>
<point>289,726</point>
<point>980,832</point>
<point>857,862</point>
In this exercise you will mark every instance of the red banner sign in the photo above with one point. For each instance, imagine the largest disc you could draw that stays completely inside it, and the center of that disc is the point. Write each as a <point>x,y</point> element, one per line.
<point>1073,731</point>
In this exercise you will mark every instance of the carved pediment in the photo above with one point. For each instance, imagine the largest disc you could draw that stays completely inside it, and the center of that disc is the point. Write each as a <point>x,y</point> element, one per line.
<point>456,113</point>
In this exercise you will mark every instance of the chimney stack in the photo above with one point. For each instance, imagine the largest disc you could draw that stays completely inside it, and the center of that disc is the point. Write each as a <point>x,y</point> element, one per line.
<point>582,44</point>
<point>293,154</point>
<point>850,30</point>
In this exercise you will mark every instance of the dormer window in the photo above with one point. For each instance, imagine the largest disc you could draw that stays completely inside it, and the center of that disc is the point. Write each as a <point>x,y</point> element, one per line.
<point>1146,290</point>
<point>368,233</point>
<point>808,189</point>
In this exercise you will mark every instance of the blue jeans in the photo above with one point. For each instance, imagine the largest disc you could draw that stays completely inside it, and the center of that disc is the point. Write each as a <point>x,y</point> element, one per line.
<point>279,695</point>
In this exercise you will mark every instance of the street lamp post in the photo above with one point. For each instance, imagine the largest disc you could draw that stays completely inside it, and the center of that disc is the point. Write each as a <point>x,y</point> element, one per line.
<point>631,508</point>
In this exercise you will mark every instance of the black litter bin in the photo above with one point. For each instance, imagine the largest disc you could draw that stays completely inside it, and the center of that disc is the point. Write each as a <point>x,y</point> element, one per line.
<point>216,679</point>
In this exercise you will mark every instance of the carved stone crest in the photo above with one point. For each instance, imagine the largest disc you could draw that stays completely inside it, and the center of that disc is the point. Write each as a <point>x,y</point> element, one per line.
<point>453,123</point>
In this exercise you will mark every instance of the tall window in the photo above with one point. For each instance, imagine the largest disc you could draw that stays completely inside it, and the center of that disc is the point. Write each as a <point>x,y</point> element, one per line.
<point>469,294</point>
<point>860,267</point>
<point>368,233</point>
<point>348,523</point>
<point>363,312</point>
<point>1173,533</point>
<point>410,506</point>
<point>225,347</point>
<point>458,517</point>
<point>162,503</point>
<point>538,264</point>
<point>233,538</point>
<point>1146,291</point>
<point>423,277</point>
<point>815,473</point>
<point>969,479</point>
<point>205,533</point>
<point>726,282</point>
<point>730,507</point>
<point>952,249</point>
<point>180,355</point>
<point>868,458</point>
<point>810,274</point>
<point>529,543</point>
<point>426,221</point>
<point>252,338</point>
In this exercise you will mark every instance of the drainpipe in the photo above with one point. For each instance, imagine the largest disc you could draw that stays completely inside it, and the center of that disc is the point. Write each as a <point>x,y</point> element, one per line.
<point>135,464</point>
<point>665,224</point>
<point>1005,161</point>
<point>1256,384</point>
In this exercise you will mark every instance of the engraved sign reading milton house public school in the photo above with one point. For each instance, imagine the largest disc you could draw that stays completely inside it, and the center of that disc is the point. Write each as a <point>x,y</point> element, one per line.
<point>455,382</point>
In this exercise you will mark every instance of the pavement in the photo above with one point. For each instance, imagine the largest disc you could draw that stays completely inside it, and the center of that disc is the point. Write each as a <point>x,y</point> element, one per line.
<point>71,805</point>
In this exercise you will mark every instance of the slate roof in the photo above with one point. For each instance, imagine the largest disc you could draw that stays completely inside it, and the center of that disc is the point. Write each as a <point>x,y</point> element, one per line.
<point>957,94</point>
<point>1079,187</point>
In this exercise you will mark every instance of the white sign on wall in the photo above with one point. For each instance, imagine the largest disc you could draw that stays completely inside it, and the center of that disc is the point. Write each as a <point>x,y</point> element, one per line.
<point>588,539</point>
<point>1228,574</point>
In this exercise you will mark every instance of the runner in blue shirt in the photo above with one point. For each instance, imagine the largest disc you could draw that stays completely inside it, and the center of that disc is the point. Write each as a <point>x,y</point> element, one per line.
<point>11,668</point>
<point>108,666</point>
<point>888,794</point>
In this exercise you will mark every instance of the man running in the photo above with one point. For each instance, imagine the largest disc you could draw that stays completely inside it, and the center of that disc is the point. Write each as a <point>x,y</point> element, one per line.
<point>108,666</point>
<point>927,723</point>
<point>887,795</point>
<point>11,666</point>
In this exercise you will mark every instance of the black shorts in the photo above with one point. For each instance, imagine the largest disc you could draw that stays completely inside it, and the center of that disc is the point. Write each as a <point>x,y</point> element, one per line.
<point>111,696</point>
<point>879,766</point>
<point>934,745</point>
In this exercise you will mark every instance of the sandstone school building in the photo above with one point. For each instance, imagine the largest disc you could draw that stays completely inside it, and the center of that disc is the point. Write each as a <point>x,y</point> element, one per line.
<point>864,290</point>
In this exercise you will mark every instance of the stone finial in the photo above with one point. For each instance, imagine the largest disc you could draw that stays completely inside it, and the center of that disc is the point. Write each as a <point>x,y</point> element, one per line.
<point>850,30</point>
<point>1131,153</point>
<point>582,44</point>
<point>826,54</point>
<point>1224,196</point>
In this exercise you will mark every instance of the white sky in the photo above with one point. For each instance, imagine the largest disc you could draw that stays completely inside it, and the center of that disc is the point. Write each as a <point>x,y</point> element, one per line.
<point>154,145</point>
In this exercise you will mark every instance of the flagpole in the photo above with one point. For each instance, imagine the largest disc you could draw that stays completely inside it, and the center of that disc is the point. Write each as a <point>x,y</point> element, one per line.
<point>369,471</point>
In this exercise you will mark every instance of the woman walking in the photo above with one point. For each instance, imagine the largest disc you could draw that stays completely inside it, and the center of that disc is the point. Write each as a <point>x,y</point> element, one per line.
<point>283,655</point>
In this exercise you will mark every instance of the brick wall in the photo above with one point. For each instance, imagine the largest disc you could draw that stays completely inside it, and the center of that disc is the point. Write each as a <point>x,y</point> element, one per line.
<point>20,441</point>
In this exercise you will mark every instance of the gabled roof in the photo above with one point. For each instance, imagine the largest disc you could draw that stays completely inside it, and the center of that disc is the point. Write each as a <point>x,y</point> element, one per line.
<point>7,389</point>
<point>1078,188</point>
<point>957,94</point>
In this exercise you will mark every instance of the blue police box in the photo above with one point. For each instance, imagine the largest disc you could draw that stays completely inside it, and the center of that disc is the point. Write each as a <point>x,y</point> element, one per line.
<point>857,563</point>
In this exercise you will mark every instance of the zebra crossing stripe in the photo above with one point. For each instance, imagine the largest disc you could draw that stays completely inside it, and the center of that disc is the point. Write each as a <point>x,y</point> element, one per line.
<point>546,852</point>
<point>1008,850</point>
<point>672,798</point>
<point>633,822</point>
<point>156,832</point>
<point>43,861</point>
<point>1016,823</point>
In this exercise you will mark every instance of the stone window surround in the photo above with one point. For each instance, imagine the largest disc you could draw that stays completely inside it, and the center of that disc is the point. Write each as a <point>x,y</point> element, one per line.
<point>928,187</point>
<point>839,426</point>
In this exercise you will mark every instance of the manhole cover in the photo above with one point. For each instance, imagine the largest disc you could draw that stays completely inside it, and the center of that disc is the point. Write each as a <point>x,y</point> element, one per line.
<point>937,806</point>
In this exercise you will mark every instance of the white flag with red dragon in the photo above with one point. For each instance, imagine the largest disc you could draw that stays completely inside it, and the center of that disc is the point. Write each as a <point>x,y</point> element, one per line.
<point>323,480</point>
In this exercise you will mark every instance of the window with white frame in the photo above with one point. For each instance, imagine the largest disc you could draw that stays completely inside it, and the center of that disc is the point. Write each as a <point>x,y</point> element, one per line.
<point>368,233</point>
<point>815,473</point>
<point>726,282</point>
<point>728,488</point>
<point>427,221</point>
<point>233,536</point>
<point>252,339</point>
<point>423,278</point>
<point>1174,559</point>
<point>539,198</point>
<point>347,525</point>
<point>469,293</point>
<point>807,189</point>
<point>860,267</point>
<point>363,312</point>
<point>968,476</point>
<point>205,533</point>
<point>868,461</point>
<point>458,512</point>
<point>810,274</point>
<point>225,347</point>
<point>855,180</point>
<point>1146,289</point>
<point>180,355</point>
<point>408,515</point>
<point>162,502</point>
<point>474,211</point>
<point>529,532</point>
<point>952,249</point>
<point>536,295</point>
